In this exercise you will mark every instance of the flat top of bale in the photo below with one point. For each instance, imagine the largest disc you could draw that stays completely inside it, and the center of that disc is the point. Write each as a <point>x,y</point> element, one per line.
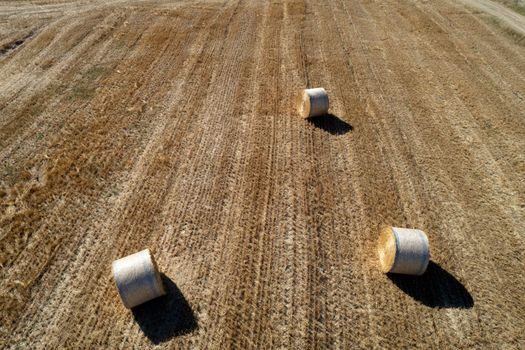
<point>303,103</point>
<point>386,248</point>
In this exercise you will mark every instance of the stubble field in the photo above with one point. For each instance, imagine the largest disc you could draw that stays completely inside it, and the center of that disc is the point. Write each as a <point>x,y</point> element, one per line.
<point>170,125</point>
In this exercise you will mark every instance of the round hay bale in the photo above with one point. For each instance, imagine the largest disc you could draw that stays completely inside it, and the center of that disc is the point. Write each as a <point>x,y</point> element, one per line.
<point>312,102</point>
<point>138,279</point>
<point>403,250</point>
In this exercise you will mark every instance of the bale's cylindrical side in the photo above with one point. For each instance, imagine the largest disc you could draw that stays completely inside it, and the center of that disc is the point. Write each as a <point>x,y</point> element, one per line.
<point>312,102</point>
<point>138,279</point>
<point>403,250</point>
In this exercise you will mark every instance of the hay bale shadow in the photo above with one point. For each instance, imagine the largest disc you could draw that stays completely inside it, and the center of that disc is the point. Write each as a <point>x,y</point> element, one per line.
<point>331,124</point>
<point>166,317</point>
<point>435,288</point>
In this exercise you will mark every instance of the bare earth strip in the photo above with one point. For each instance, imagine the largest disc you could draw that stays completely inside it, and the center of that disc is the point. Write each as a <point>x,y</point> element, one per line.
<point>511,18</point>
<point>170,125</point>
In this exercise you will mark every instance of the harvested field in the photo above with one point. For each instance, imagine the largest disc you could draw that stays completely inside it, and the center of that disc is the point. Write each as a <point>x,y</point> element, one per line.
<point>127,125</point>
